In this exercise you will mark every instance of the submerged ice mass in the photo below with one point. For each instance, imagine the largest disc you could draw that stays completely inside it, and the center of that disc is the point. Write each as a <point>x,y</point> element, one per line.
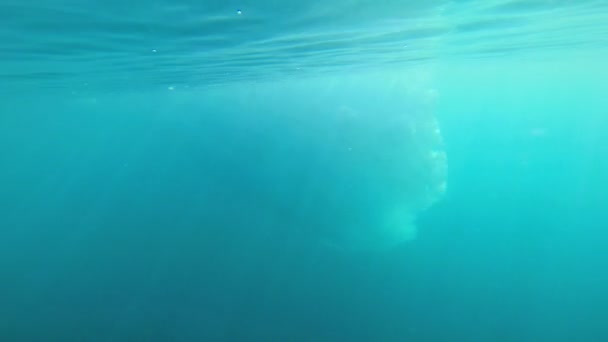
<point>351,162</point>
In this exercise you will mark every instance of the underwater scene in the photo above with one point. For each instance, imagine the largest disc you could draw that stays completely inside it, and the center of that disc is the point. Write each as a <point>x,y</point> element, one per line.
<point>344,170</point>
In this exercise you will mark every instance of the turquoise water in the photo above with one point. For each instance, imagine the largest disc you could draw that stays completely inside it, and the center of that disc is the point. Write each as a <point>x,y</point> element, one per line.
<point>314,171</point>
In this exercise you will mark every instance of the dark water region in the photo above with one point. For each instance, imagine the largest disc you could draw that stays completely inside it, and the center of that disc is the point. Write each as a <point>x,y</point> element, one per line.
<point>180,171</point>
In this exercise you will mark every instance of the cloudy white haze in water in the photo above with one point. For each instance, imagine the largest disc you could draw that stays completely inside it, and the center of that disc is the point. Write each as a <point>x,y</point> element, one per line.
<point>351,161</point>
